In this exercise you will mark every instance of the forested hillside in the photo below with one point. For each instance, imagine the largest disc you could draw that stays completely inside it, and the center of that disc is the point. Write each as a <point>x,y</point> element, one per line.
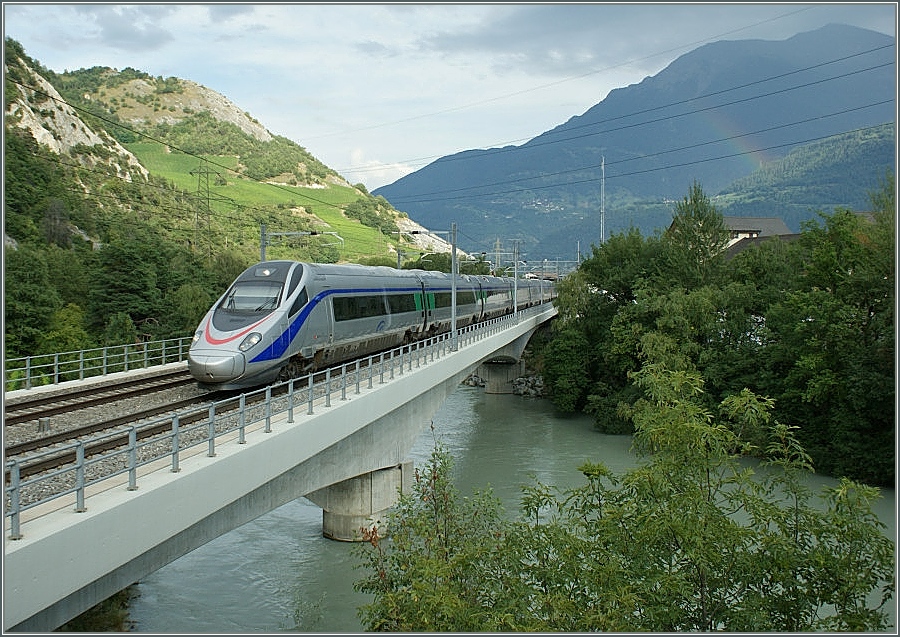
<point>836,172</point>
<point>807,323</point>
<point>131,202</point>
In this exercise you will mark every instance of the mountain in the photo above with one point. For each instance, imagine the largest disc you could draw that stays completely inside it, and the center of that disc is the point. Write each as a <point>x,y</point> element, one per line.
<point>839,171</point>
<point>713,116</point>
<point>131,202</point>
<point>226,163</point>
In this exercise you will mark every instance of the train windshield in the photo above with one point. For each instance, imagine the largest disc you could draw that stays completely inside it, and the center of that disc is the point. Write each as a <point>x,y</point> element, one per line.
<point>253,296</point>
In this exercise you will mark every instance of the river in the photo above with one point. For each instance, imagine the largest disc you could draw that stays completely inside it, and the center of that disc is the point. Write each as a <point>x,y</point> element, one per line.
<point>277,573</point>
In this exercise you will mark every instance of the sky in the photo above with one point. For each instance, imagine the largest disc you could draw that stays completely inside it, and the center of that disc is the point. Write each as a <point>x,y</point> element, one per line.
<point>377,91</point>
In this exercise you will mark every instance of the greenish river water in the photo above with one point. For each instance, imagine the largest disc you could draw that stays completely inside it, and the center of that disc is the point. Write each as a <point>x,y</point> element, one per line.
<point>277,573</point>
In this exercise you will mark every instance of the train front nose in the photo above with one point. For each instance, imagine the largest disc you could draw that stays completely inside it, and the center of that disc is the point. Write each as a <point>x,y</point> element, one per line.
<point>214,367</point>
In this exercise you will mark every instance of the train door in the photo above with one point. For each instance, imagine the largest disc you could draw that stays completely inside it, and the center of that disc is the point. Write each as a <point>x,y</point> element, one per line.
<point>288,312</point>
<point>329,311</point>
<point>422,306</point>
<point>427,307</point>
<point>480,301</point>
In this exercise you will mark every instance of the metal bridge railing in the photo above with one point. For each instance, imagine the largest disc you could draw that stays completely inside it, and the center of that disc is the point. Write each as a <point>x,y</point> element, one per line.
<point>216,428</point>
<point>51,369</point>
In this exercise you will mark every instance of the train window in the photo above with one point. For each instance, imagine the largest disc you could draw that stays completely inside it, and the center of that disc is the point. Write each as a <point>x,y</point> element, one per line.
<point>402,303</point>
<point>299,302</point>
<point>295,280</point>
<point>355,307</point>
<point>256,296</point>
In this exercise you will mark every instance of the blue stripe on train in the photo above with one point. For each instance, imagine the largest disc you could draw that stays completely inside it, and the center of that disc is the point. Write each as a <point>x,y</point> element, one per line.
<point>280,345</point>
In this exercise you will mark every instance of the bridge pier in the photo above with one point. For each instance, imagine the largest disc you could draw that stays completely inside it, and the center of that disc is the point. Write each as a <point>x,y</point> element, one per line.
<point>361,502</point>
<point>498,377</point>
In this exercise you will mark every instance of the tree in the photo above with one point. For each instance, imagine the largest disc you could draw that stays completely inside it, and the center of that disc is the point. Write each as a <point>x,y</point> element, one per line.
<point>565,369</point>
<point>690,540</point>
<point>420,576</point>
<point>830,364</point>
<point>66,331</point>
<point>56,224</point>
<point>120,330</point>
<point>188,304</point>
<point>30,301</point>
<point>694,243</point>
<point>128,276</point>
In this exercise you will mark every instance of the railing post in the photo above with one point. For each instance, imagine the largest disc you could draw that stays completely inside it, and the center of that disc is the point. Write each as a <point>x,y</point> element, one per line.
<point>56,369</point>
<point>79,478</point>
<point>15,512</point>
<point>132,459</point>
<point>369,367</point>
<point>268,409</point>
<point>81,365</point>
<point>328,387</point>
<point>290,401</point>
<point>212,431</point>
<point>105,360</point>
<point>381,368</point>
<point>242,419</point>
<point>28,372</point>
<point>310,396</point>
<point>344,381</point>
<point>357,375</point>
<point>392,364</point>
<point>176,443</point>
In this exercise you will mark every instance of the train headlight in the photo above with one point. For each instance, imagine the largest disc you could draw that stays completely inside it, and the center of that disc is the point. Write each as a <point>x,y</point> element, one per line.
<point>197,336</point>
<point>252,339</point>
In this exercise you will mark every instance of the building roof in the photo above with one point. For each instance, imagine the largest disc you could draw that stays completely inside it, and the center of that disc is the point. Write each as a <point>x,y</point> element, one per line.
<point>758,226</point>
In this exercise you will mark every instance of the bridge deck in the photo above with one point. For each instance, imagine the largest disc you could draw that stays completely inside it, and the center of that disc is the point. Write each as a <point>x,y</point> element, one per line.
<point>67,561</point>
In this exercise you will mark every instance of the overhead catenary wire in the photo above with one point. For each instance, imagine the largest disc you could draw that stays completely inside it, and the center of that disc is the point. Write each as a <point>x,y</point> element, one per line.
<point>508,146</point>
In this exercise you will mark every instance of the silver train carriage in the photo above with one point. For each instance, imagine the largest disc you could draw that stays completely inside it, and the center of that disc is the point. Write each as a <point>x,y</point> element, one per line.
<point>282,318</point>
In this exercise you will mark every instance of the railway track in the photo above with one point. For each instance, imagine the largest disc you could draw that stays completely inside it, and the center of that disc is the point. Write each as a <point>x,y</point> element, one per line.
<point>190,411</point>
<point>87,430</point>
<point>44,406</point>
<point>68,455</point>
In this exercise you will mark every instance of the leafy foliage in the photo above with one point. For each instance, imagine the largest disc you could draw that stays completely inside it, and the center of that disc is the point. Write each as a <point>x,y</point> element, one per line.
<point>690,540</point>
<point>809,323</point>
<point>426,576</point>
<point>373,212</point>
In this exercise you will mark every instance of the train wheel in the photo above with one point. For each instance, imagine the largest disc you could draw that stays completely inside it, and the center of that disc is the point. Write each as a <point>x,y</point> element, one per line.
<point>292,370</point>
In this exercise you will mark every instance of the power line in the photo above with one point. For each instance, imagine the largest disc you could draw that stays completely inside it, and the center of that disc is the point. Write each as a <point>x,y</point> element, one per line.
<point>647,156</point>
<point>505,146</point>
<point>160,141</point>
<point>567,79</point>
<point>658,168</point>
<point>426,197</point>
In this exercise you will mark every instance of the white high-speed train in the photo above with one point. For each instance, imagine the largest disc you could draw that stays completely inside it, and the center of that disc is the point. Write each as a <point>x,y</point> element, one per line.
<point>280,319</point>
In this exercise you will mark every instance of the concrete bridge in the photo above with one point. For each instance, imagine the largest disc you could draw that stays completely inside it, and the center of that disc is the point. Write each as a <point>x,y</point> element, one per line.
<point>347,453</point>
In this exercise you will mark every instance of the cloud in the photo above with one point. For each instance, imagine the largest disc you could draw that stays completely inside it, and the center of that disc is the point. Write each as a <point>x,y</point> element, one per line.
<point>380,89</point>
<point>127,28</point>
<point>225,12</point>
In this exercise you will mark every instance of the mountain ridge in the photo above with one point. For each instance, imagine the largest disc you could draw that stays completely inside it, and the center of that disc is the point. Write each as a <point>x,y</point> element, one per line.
<point>696,120</point>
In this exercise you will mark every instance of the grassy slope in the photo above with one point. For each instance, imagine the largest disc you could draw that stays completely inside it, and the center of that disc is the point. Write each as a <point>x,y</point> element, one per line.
<point>236,205</point>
